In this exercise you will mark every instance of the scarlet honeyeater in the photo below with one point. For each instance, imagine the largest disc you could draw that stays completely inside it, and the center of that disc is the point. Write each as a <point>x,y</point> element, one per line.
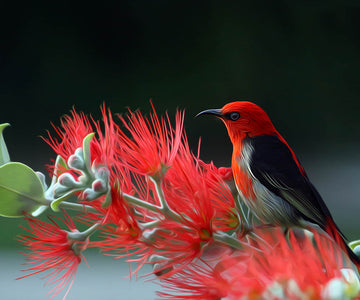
<point>269,177</point>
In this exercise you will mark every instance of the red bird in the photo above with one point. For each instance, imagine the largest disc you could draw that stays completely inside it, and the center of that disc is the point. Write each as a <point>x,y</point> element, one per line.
<point>269,177</point>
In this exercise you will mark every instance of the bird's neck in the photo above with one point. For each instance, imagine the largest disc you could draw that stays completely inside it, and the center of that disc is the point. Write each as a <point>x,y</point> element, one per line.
<point>237,138</point>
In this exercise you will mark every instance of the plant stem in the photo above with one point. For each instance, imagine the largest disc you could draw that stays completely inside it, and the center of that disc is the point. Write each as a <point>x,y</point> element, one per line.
<point>165,209</point>
<point>77,206</point>
<point>227,240</point>
<point>82,236</point>
<point>141,203</point>
<point>163,204</point>
<point>149,225</point>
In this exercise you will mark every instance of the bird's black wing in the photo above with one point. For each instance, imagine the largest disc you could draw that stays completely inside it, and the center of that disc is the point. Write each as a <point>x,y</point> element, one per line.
<point>273,164</point>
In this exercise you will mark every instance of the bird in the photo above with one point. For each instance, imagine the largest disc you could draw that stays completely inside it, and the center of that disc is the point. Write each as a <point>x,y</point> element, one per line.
<point>270,178</point>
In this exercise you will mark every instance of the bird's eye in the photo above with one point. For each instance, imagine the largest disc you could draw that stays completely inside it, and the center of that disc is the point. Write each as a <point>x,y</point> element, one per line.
<point>233,116</point>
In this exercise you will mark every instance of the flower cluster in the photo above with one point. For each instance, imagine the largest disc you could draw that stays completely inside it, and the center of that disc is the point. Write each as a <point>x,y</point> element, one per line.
<point>137,184</point>
<point>300,266</point>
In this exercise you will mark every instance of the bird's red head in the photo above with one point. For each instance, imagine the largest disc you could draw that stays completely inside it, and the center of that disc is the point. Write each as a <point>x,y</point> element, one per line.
<point>243,118</point>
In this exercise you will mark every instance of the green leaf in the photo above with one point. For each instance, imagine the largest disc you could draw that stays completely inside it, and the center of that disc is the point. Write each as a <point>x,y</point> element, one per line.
<point>4,154</point>
<point>20,190</point>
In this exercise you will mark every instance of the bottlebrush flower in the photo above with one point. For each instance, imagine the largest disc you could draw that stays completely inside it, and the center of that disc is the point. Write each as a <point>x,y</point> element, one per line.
<point>104,149</point>
<point>197,190</point>
<point>71,134</point>
<point>200,203</point>
<point>275,268</point>
<point>120,230</point>
<point>52,251</point>
<point>75,127</point>
<point>152,143</point>
<point>198,200</point>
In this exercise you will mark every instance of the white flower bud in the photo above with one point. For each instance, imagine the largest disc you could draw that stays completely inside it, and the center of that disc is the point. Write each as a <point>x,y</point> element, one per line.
<point>102,173</point>
<point>79,152</point>
<point>76,161</point>
<point>99,186</point>
<point>90,194</point>
<point>66,179</point>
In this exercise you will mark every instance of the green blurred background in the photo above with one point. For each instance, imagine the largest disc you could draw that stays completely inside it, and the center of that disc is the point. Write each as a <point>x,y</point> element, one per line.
<point>299,60</point>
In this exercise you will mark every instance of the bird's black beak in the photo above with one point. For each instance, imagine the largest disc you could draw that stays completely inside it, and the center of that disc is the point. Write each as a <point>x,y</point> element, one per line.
<point>215,112</point>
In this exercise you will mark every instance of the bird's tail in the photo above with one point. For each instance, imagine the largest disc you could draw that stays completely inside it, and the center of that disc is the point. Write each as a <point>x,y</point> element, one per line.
<point>340,239</point>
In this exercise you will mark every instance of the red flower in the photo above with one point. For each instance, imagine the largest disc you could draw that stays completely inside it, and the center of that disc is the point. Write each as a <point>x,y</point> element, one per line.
<point>103,150</point>
<point>121,231</point>
<point>274,268</point>
<point>200,204</point>
<point>152,143</point>
<point>73,130</point>
<point>76,127</point>
<point>199,199</point>
<point>196,282</point>
<point>196,190</point>
<point>52,251</point>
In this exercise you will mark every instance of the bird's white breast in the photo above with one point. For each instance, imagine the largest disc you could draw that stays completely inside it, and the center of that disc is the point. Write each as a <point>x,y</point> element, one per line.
<point>267,206</point>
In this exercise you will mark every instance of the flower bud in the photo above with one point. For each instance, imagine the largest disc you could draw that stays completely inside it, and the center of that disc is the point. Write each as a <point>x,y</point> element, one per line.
<point>99,186</point>
<point>79,152</point>
<point>90,194</point>
<point>66,179</point>
<point>76,161</point>
<point>102,173</point>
